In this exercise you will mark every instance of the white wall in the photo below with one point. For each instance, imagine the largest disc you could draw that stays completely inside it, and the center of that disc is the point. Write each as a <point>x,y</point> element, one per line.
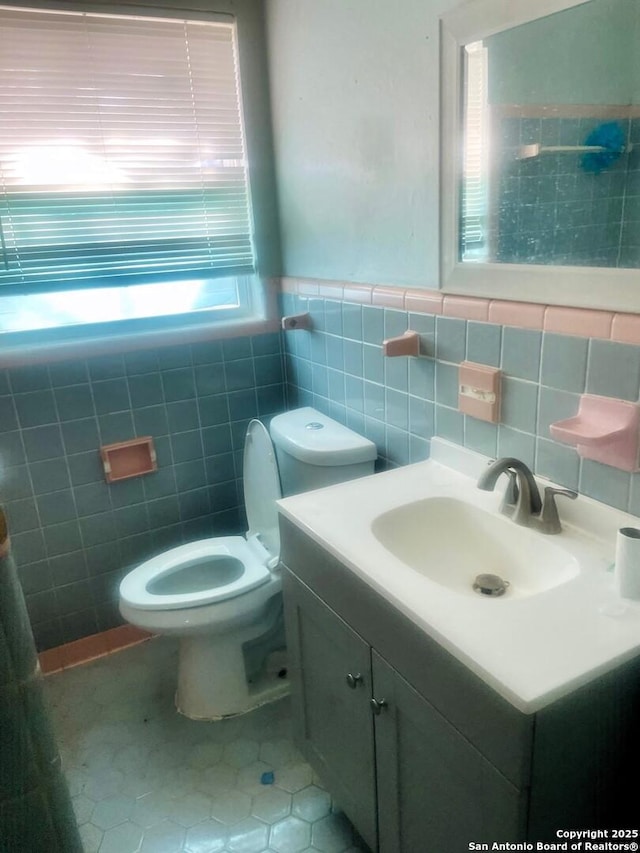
<point>584,55</point>
<point>355,109</point>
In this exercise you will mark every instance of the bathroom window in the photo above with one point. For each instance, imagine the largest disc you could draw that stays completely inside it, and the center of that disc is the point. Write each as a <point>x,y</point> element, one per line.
<point>124,192</point>
<point>474,224</point>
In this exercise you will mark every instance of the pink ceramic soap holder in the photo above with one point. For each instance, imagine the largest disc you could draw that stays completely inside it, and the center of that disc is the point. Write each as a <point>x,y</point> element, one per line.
<point>605,430</point>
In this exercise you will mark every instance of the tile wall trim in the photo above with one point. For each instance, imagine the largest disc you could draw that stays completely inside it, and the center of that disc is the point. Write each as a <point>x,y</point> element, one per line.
<point>89,648</point>
<point>581,322</point>
<point>265,322</point>
<point>599,111</point>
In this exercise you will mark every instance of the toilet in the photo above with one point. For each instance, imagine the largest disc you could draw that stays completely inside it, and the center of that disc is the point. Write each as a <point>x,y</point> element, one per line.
<point>222,596</point>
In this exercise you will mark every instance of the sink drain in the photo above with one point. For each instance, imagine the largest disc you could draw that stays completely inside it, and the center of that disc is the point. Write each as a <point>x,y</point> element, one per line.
<point>492,585</point>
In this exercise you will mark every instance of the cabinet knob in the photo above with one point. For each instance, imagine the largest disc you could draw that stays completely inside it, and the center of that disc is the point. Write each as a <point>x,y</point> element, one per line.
<point>354,680</point>
<point>377,705</point>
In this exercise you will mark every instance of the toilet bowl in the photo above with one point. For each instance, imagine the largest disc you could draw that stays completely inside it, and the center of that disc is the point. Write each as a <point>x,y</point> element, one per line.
<point>216,595</point>
<point>222,596</point>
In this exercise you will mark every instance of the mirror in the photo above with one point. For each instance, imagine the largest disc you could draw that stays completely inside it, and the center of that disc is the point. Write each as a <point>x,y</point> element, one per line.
<point>541,152</point>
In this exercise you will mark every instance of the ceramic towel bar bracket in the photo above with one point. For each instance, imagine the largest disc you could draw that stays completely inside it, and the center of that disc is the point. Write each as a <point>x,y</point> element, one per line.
<point>604,430</point>
<point>535,149</point>
<point>295,322</point>
<point>406,344</point>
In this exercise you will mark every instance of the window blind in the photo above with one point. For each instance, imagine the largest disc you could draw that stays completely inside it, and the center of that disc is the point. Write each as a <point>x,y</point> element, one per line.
<point>473,231</point>
<point>122,155</point>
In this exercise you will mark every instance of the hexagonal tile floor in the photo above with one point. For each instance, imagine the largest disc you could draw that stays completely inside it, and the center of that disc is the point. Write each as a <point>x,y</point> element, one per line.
<point>146,780</point>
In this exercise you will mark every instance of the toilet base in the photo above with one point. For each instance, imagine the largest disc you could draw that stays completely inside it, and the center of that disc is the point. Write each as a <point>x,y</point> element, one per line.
<point>267,692</point>
<point>212,676</point>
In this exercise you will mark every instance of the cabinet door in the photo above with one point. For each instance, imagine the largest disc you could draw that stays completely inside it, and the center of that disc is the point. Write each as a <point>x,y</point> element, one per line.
<point>436,792</point>
<point>333,724</point>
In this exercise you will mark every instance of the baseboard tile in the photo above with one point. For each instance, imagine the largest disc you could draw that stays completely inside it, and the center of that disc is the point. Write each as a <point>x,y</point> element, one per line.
<point>90,648</point>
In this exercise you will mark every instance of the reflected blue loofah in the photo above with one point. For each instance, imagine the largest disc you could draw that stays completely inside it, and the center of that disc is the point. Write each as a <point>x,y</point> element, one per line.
<point>610,136</point>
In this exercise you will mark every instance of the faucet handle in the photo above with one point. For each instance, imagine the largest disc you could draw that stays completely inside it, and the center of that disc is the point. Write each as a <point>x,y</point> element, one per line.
<point>511,493</point>
<point>549,518</point>
<point>550,491</point>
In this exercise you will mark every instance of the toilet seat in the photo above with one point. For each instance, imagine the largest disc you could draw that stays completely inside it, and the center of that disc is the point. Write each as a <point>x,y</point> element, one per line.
<point>137,588</point>
<point>227,630</point>
<point>224,567</point>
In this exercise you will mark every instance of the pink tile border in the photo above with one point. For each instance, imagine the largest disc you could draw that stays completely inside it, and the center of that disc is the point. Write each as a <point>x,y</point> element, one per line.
<point>526,315</point>
<point>578,321</point>
<point>358,293</point>
<point>330,290</point>
<point>308,288</point>
<point>388,297</point>
<point>582,322</point>
<point>466,308</point>
<point>124,636</point>
<point>423,301</point>
<point>626,328</point>
<point>90,648</point>
<point>50,661</point>
<point>86,649</point>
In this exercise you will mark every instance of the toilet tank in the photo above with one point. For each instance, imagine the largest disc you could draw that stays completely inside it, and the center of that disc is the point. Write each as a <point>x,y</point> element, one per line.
<point>313,451</point>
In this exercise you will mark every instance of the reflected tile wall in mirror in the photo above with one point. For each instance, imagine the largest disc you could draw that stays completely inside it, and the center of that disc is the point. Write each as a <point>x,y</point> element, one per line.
<point>549,209</point>
<point>550,169</point>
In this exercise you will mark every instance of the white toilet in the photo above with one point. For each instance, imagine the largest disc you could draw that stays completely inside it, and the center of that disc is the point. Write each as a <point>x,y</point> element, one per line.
<point>221,596</point>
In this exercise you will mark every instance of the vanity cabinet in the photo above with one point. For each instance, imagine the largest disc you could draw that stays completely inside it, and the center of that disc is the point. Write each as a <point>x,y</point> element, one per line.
<point>435,790</point>
<point>421,754</point>
<point>405,777</point>
<point>333,720</point>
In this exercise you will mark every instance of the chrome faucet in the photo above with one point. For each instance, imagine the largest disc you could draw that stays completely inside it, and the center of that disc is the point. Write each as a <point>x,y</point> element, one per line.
<point>522,501</point>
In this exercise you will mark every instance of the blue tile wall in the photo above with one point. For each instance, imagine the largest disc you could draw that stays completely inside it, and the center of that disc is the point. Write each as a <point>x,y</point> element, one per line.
<point>630,242</point>
<point>543,377</point>
<point>75,536</point>
<point>552,210</point>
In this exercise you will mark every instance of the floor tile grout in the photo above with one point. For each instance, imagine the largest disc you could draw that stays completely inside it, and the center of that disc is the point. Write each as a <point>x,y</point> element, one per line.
<point>144,779</point>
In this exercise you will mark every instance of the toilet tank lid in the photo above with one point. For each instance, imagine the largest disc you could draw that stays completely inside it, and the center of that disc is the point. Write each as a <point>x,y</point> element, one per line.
<point>308,435</point>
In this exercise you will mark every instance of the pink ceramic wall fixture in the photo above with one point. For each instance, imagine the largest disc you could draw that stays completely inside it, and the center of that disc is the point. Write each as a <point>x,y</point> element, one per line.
<point>479,391</point>
<point>605,430</point>
<point>406,344</point>
<point>296,321</point>
<point>126,459</point>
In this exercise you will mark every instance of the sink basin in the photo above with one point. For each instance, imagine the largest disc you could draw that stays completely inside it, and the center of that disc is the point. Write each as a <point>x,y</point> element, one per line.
<point>419,535</point>
<point>450,542</point>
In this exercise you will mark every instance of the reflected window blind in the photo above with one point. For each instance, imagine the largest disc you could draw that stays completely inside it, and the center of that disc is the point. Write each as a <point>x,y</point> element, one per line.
<point>476,129</point>
<point>122,155</point>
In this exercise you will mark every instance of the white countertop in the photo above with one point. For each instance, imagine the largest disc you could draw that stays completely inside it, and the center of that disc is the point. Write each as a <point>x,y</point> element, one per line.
<point>531,650</point>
